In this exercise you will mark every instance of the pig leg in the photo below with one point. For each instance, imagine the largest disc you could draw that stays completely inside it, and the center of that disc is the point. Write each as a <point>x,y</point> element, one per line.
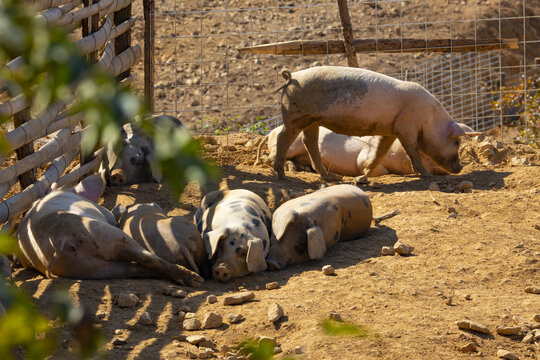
<point>411,147</point>
<point>310,138</point>
<point>382,148</point>
<point>284,139</point>
<point>84,239</point>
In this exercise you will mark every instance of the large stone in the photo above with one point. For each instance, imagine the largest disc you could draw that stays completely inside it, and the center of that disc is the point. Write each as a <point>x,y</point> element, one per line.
<point>212,321</point>
<point>275,312</point>
<point>234,318</point>
<point>238,298</point>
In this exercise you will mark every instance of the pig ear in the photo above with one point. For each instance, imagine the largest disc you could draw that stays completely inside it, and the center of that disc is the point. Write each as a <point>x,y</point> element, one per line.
<point>255,256</point>
<point>289,218</point>
<point>118,211</point>
<point>212,239</point>
<point>92,186</point>
<point>454,130</point>
<point>315,242</point>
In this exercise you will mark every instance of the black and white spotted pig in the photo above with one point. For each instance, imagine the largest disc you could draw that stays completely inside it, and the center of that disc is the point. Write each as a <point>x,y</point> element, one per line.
<point>236,227</point>
<point>304,227</point>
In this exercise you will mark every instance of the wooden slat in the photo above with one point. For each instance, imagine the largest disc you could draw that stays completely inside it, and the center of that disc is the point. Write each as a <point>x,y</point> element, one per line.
<point>316,47</point>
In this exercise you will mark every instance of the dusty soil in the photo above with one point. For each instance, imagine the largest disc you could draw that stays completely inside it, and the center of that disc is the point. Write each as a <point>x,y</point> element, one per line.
<point>489,251</point>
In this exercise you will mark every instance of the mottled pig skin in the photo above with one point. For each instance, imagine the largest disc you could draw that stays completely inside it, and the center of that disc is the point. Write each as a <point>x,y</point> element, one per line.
<point>174,238</point>
<point>304,227</point>
<point>236,227</point>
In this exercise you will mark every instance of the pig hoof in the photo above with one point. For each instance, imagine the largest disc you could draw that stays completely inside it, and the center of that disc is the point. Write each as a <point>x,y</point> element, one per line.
<point>189,278</point>
<point>332,177</point>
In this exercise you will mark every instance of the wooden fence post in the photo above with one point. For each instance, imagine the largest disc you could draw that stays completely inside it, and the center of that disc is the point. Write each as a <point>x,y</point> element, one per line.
<point>148,8</point>
<point>348,38</point>
<point>123,41</point>
<point>29,177</point>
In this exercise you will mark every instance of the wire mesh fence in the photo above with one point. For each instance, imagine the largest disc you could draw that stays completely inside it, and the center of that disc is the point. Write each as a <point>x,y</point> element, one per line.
<point>201,77</point>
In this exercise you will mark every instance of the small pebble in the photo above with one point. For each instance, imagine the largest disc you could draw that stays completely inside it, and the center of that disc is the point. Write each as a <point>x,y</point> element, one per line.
<point>532,290</point>
<point>178,293</point>
<point>536,317</point>
<point>191,324</point>
<point>471,325</point>
<point>528,338</point>
<point>470,347</point>
<point>328,270</point>
<point>181,315</point>
<point>118,331</point>
<point>272,285</point>
<point>212,321</point>
<point>448,302</point>
<point>298,350</point>
<point>209,344</point>
<point>127,299</point>
<point>145,319</point>
<point>362,179</point>
<point>434,186</point>
<point>119,342</point>
<point>335,316</point>
<point>277,350</point>
<point>195,339</point>
<point>238,298</point>
<point>234,318</point>
<point>467,297</point>
<point>211,299</point>
<point>387,251</point>
<point>508,330</point>
<point>190,315</point>
<point>402,249</point>
<point>275,312</point>
<point>505,354</point>
<point>266,340</point>
<point>190,355</point>
<point>465,186</point>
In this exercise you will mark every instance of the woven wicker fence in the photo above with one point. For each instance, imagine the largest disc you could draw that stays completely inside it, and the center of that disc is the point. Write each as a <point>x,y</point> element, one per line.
<point>51,140</point>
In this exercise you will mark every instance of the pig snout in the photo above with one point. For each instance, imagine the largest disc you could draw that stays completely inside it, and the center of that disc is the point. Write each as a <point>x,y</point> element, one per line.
<point>221,272</point>
<point>118,177</point>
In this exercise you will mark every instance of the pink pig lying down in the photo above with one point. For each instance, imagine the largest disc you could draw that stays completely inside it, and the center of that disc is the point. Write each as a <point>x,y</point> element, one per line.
<point>360,102</point>
<point>349,155</point>
<point>67,234</point>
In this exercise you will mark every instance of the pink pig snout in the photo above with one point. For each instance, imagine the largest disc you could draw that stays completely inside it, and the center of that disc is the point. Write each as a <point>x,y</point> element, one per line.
<point>221,272</point>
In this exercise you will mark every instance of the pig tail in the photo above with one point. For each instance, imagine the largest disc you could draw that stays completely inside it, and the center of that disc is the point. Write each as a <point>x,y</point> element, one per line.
<point>287,76</point>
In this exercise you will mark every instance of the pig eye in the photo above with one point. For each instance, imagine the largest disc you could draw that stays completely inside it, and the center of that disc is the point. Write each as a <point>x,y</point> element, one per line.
<point>240,251</point>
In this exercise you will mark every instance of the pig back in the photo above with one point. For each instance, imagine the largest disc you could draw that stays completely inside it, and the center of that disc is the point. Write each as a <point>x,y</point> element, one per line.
<point>354,208</point>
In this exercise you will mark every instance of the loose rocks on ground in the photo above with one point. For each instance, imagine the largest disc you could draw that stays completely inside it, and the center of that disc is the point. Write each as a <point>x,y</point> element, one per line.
<point>387,251</point>
<point>508,330</point>
<point>238,298</point>
<point>402,249</point>
<point>145,319</point>
<point>127,299</point>
<point>471,325</point>
<point>328,270</point>
<point>505,354</point>
<point>191,324</point>
<point>272,285</point>
<point>275,312</point>
<point>212,321</point>
<point>235,318</point>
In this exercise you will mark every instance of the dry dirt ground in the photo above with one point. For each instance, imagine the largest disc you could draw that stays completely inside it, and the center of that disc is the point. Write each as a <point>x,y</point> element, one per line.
<point>482,258</point>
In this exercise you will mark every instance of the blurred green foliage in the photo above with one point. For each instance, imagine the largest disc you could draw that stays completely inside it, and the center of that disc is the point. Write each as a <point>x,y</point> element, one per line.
<point>52,69</point>
<point>340,328</point>
<point>520,106</point>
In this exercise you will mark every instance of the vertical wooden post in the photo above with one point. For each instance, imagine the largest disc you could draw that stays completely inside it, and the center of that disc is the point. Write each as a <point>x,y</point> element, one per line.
<point>123,41</point>
<point>29,177</point>
<point>348,39</point>
<point>89,26</point>
<point>148,8</point>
